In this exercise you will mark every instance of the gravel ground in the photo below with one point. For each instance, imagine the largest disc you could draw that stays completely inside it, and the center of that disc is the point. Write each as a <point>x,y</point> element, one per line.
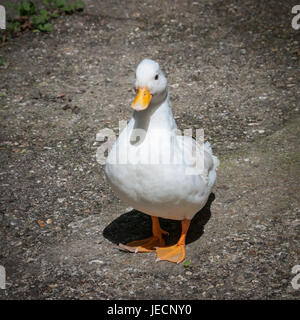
<point>233,69</point>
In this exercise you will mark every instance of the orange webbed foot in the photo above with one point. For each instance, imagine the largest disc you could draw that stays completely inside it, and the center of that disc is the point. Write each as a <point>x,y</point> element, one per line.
<point>148,244</point>
<point>144,245</point>
<point>175,253</point>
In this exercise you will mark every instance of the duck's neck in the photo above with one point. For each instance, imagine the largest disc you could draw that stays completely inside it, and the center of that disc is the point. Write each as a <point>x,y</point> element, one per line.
<point>158,115</point>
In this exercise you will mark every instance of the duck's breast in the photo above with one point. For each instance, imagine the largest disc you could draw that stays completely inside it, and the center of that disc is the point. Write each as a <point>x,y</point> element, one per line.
<point>153,178</point>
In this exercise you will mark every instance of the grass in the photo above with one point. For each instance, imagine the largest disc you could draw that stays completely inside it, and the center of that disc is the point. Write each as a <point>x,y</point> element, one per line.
<point>28,16</point>
<point>187,264</point>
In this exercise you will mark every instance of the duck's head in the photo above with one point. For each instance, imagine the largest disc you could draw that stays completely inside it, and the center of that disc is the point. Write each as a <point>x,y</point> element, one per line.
<point>150,84</point>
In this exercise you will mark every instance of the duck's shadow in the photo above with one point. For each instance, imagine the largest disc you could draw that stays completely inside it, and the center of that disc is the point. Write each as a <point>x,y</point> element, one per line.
<point>135,225</point>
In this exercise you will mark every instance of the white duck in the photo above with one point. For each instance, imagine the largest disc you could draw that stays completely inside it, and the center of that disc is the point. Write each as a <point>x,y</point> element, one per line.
<point>154,170</point>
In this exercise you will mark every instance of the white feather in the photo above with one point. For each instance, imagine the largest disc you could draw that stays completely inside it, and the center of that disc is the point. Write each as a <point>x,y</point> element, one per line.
<point>159,174</point>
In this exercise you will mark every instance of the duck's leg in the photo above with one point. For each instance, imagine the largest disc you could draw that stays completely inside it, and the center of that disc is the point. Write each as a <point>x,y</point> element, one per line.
<point>175,253</point>
<point>148,244</point>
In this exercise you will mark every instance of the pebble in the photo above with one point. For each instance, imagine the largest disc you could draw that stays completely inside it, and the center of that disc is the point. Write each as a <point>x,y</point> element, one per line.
<point>96,261</point>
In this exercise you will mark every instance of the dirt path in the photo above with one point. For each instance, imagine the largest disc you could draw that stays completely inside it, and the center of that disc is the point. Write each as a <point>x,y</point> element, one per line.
<point>233,69</point>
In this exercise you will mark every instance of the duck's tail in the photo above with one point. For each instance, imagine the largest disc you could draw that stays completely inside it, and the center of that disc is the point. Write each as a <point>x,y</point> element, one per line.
<point>212,172</point>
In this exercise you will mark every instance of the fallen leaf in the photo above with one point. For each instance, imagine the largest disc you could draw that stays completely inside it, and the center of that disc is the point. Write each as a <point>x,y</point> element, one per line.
<point>297,51</point>
<point>41,223</point>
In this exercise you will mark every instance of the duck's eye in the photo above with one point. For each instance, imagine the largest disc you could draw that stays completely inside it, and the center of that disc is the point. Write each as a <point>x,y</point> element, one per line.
<point>156,77</point>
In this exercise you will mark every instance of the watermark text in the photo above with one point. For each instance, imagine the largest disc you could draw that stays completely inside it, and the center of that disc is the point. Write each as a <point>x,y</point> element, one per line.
<point>2,277</point>
<point>2,18</point>
<point>296,18</point>
<point>161,147</point>
<point>296,280</point>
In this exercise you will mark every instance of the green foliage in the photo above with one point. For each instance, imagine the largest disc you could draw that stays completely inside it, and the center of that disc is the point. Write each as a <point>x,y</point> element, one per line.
<point>69,7</point>
<point>44,13</point>
<point>40,22</point>
<point>187,264</point>
<point>27,8</point>
<point>1,62</point>
<point>12,6</point>
<point>47,27</point>
<point>79,5</point>
<point>14,26</point>
<point>60,3</point>
<point>29,16</point>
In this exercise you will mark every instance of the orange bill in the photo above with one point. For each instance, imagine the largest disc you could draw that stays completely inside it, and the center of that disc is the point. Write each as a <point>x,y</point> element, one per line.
<point>142,99</point>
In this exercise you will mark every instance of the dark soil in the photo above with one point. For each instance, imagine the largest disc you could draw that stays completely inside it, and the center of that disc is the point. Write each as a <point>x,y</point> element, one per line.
<point>233,69</point>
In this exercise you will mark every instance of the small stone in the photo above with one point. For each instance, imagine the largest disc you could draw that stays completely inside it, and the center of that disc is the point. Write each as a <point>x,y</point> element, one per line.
<point>96,261</point>
<point>66,107</point>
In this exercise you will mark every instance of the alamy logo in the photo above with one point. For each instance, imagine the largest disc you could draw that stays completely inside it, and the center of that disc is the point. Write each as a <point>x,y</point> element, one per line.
<point>2,277</point>
<point>296,280</point>
<point>296,19</point>
<point>2,18</point>
<point>156,151</point>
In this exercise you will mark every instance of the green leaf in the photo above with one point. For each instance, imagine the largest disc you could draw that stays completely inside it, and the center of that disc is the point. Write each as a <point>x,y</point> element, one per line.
<point>79,5</point>
<point>69,8</point>
<point>13,26</point>
<point>60,3</point>
<point>1,62</point>
<point>72,6</point>
<point>12,6</point>
<point>27,8</point>
<point>33,8</point>
<point>46,27</point>
<point>23,9</point>
<point>38,20</point>
<point>44,13</point>
<point>187,264</point>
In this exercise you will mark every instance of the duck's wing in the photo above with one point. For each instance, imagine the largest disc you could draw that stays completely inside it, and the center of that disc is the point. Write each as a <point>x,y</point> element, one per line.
<point>212,161</point>
<point>198,158</point>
